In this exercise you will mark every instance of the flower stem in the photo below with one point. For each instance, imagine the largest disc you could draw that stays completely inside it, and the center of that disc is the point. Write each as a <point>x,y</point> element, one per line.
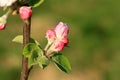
<point>46,47</point>
<point>26,38</point>
<point>8,12</point>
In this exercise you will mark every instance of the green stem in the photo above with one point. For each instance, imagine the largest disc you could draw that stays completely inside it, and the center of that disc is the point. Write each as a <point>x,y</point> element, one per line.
<point>46,47</point>
<point>8,12</point>
<point>26,38</point>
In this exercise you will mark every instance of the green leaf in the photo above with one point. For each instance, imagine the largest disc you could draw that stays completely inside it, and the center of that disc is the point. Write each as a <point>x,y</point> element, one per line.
<point>19,39</point>
<point>32,51</point>
<point>32,60</point>
<point>32,48</point>
<point>34,41</point>
<point>35,3</point>
<point>43,61</point>
<point>62,62</point>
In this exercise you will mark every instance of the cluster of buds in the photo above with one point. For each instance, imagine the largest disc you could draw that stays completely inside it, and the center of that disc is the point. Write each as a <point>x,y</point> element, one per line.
<point>3,19</point>
<point>24,12</point>
<point>57,38</point>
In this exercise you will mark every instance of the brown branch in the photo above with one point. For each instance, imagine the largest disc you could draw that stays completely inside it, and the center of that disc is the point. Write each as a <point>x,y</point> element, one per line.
<point>26,38</point>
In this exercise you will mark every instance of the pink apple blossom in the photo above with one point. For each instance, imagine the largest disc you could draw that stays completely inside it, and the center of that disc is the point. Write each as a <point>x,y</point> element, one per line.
<point>25,12</point>
<point>6,2</point>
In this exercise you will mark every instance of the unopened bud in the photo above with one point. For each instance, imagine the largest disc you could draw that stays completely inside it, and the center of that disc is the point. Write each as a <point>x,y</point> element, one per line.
<point>65,41</point>
<point>25,12</point>
<point>50,35</point>
<point>3,22</point>
<point>61,30</point>
<point>58,46</point>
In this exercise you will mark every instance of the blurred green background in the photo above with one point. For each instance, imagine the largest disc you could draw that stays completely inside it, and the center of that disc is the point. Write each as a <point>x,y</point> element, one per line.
<point>94,48</point>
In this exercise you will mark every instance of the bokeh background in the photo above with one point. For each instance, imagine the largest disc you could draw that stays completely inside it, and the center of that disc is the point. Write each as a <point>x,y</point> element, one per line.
<point>94,47</point>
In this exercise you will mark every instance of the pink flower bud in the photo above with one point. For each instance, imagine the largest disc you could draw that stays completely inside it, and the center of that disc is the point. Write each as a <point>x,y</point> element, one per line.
<point>61,30</point>
<point>65,41</point>
<point>3,22</point>
<point>58,46</point>
<point>2,26</point>
<point>50,34</point>
<point>25,12</point>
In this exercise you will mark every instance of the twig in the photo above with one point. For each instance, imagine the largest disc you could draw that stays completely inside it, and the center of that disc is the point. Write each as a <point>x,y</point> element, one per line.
<point>26,38</point>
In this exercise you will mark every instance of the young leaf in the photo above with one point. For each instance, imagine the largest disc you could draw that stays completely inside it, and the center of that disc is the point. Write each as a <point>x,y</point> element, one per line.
<point>32,51</point>
<point>62,62</point>
<point>43,61</point>
<point>32,60</point>
<point>35,3</point>
<point>19,39</point>
<point>34,41</point>
<point>31,48</point>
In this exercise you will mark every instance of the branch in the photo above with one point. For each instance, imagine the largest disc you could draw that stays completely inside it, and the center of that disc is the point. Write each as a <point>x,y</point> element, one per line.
<point>26,39</point>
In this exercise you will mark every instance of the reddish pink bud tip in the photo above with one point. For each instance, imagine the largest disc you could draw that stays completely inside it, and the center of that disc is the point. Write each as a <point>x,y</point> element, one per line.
<point>2,26</point>
<point>65,41</point>
<point>25,12</point>
<point>59,45</point>
<point>50,34</point>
